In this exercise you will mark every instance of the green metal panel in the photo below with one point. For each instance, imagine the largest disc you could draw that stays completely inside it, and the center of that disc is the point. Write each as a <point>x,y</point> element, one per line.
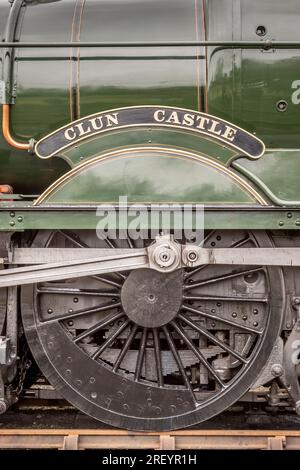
<point>277,174</point>
<point>246,85</point>
<point>19,217</point>
<point>149,176</point>
<point>127,138</point>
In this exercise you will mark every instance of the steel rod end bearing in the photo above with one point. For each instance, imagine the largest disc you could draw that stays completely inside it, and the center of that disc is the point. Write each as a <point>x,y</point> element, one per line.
<point>165,254</point>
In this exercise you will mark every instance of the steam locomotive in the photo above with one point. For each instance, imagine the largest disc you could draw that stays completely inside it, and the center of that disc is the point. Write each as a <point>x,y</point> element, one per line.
<point>174,105</point>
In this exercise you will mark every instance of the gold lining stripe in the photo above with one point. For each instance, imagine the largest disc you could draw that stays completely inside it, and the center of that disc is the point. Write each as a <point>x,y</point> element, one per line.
<point>74,83</point>
<point>239,180</point>
<point>197,56</point>
<point>206,58</point>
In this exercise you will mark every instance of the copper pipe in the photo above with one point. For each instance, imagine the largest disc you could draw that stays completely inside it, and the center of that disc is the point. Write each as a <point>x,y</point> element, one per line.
<point>6,129</point>
<point>6,189</point>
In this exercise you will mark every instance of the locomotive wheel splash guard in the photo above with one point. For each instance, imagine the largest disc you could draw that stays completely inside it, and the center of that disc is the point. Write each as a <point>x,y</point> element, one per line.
<point>129,398</point>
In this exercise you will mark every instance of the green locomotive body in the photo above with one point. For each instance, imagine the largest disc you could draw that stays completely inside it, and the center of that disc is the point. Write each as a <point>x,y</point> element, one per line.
<point>174,105</point>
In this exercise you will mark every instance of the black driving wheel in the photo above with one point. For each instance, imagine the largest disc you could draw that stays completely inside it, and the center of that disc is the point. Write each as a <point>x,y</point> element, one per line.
<point>149,351</point>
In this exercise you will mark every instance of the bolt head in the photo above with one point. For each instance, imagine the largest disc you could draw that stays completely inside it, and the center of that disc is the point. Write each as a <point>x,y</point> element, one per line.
<point>192,255</point>
<point>277,370</point>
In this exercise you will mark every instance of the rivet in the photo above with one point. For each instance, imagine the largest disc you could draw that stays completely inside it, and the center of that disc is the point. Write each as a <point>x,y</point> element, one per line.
<point>255,311</point>
<point>255,323</point>
<point>261,30</point>
<point>50,311</point>
<point>92,380</point>
<point>78,382</point>
<point>94,395</point>
<point>219,304</point>
<point>11,223</point>
<point>213,310</point>
<point>288,325</point>
<point>276,370</point>
<point>281,105</point>
<point>20,218</point>
<point>297,222</point>
<point>70,323</point>
<point>280,223</point>
<point>289,215</point>
<point>70,310</point>
<point>245,317</point>
<point>68,372</point>
<point>234,314</point>
<point>12,214</point>
<point>75,300</point>
<point>69,359</point>
<point>213,324</point>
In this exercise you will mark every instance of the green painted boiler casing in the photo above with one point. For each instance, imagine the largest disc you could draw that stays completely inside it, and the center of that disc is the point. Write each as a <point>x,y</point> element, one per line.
<point>56,86</point>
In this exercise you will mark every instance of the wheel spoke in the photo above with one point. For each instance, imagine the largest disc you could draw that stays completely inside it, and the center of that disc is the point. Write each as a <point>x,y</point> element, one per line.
<point>107,281</point>
<point>141,354</point>
<point>196,270</point>
<point>177,359</point>
<point>222,320</point>
<point>208,236</point>
<point>212,338</point>
<point>101,324</point>
<point>77,242</point>
<point>75,291</point>
<point>84,311</point>
<point>120,275</point>
<point>197,353</point>
<point>225,299</point>
<point>125,348</point>
<point>112,245</point>
<point>158,363</point>
<point>109,243</point>
<point>110,340</point>
<point>129,241</point>
<point>234,245</point>
<point>222,278</point>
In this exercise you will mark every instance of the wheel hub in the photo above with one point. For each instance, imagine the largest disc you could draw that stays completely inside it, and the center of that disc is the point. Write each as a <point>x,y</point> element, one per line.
<point>152,299</point>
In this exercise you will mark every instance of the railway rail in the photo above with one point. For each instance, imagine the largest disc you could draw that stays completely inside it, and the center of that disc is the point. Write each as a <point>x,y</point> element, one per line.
<point>86,439</point>
<point>63,428</point>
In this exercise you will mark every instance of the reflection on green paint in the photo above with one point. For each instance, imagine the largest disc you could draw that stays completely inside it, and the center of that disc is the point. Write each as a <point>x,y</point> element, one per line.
<point>150,177</point>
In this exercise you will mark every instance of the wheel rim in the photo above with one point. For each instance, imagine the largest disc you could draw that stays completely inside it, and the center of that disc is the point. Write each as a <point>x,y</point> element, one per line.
<point>143,372</point>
